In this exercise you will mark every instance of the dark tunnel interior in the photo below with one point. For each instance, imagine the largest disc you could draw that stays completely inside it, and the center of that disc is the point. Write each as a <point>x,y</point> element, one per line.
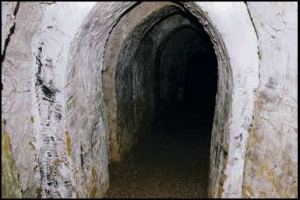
<point>173,160</point>
<point>192,95</point>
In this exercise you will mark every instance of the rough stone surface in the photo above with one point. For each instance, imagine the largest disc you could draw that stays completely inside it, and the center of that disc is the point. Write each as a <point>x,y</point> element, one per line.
<point>50,45</point>
<point>271,167</point>
<point>58,121</point>
<point>26,113</point>
<point>8,10</point>
<point>86,112</point>
<point>10,185</point>
<point>17,75</point>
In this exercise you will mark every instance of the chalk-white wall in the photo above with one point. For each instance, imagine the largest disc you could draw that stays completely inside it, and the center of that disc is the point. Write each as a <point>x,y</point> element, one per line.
<point>261,42</point>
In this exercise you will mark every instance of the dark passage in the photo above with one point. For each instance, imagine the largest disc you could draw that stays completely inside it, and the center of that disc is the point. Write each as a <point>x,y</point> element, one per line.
<point>173,160</point>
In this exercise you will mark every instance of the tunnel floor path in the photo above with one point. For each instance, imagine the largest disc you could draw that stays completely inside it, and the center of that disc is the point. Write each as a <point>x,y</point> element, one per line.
<point>171,162</point>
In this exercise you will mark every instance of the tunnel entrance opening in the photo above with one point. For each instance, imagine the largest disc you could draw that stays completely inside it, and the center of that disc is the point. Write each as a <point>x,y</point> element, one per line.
<point>182,126</point>
<point>111,96</point>
<point>186,79</point>
<point>168,86</point>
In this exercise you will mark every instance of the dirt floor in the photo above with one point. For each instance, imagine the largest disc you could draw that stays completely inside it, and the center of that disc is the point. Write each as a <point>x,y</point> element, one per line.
<point>171,162</point>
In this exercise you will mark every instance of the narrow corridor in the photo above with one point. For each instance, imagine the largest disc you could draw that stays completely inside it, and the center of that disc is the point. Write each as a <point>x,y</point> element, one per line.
<point>172,159</point>
<point>171,162</point>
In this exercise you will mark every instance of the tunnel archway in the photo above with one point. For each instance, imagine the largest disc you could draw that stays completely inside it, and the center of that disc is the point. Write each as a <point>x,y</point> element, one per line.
<point>92,104</point>
<point>142,89</point>
<point>179,82</point>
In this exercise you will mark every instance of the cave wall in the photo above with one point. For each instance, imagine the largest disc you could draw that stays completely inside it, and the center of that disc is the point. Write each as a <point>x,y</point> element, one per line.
<point>58,107</point>
<point>271,164</point>
<point>33,96</point>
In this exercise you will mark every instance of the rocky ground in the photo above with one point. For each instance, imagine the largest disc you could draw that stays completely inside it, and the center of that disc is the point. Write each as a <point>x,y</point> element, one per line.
<point>171,162</point>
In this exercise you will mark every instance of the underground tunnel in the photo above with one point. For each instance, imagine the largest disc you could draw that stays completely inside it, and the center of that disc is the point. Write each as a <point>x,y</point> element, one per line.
<point>165,88</point>
<point>142,96</point>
